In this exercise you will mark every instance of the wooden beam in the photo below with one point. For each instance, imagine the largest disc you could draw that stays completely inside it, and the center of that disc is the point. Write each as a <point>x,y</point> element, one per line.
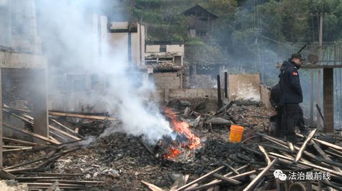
<point>30,133</point>
<point>260,175</point>
<point>95,117</point>
<point>20,141</point>
<point>328,99</point>
<point>302,148</point>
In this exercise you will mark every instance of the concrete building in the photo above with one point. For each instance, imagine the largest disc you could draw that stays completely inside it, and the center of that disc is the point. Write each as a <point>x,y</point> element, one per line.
<point>134,34</point>
<point>157,53</point>
<point>165,61</point>
<point>22,67</point>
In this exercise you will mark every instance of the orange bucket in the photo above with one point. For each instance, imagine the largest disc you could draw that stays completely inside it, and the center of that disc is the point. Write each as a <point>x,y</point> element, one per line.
<point>236,132</point>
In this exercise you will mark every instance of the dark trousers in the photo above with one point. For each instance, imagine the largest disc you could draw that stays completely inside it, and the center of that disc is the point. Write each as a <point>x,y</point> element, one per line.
<point>291,116</point>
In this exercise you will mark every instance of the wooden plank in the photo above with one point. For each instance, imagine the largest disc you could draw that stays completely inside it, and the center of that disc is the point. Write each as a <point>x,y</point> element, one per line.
<point>152,186</point>
<point>64,114</point>
<point>6,175</point>
<point>201,178</point>
<point>215,182</point>
<point>251,185</point>
<point>325,156</point>
<point>31,134</point>
<point>20,141</point>
<point>19,149</point>
<point>267,158</point>
<point>302,148</point>
<point>63,126</point>
<point>276,155</point>
<point>226,179</point>
<point>64,133</point>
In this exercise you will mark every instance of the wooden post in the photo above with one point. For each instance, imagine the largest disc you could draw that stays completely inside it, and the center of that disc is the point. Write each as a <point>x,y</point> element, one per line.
<point>219,99</point>
<point>312,99</point>
<point>39,99</point>
<point>1,126</point>
<point>328,99</point>
<point>225,84</point>
<point>319,74</point>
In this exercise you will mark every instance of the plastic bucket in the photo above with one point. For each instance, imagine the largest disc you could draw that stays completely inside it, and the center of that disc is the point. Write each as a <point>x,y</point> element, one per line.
<point>236,133</point>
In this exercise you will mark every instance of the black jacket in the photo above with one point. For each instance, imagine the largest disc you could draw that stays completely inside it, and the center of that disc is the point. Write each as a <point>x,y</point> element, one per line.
<point>289,82</point>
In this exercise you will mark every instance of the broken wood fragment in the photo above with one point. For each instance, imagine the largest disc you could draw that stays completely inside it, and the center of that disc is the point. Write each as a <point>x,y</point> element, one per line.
<point>325,156</point>
<point>251,185</point>
<point>308,164</point>
<point>200,178</point>
<point>6,175</point>
<point>152,186</point>
<point>300,152</point>
<point>291,146</point>
<point>231,168</point>
<point>267,158</point>
<point>226,179</point>
<point>337,147</point>
<point>215,182</point>
<point>64,127</point>
<point>64,133</point>
<point>18,149</point>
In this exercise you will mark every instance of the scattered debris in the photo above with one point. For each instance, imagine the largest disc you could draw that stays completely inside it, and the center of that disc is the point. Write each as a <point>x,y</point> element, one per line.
<point>124,162</point>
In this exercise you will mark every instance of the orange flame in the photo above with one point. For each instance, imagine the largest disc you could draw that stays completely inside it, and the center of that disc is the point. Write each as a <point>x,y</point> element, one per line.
<point>181,127</point>
<point>172,153</point>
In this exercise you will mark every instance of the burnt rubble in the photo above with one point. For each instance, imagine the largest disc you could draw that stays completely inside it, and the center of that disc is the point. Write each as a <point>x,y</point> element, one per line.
<point>124,162</point>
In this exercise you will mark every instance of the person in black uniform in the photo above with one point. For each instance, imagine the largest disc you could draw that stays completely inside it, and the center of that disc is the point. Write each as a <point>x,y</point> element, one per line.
<point>290,96</point>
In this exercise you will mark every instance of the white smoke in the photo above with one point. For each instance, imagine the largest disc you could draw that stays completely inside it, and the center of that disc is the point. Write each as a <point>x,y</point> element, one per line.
<point>70,44</point>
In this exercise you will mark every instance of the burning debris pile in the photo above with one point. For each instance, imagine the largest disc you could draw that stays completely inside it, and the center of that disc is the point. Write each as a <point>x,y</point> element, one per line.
<point>195,156</point>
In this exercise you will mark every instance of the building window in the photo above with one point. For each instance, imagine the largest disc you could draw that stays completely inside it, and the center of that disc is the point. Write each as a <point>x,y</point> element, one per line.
<point>162,48</point>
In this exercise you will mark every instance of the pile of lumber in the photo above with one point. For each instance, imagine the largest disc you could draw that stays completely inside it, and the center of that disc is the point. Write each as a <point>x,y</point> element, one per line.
<point>62,140</point>
<point>310,154</point>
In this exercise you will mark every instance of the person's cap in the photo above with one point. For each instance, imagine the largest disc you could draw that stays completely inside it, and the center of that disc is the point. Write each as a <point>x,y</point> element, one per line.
<point>297,55</point>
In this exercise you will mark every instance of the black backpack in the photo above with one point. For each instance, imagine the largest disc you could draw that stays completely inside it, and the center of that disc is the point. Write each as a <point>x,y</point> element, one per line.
<point>275,96</point>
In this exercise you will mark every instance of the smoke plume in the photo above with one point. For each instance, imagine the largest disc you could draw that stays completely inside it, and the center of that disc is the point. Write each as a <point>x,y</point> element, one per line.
<point>72,46</point>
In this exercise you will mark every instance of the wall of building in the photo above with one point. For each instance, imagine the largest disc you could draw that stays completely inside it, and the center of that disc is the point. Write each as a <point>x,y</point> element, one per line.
<point>265,94</point>
<point>244,87</point>
<point>193,93</point>
<point>120,41</point>
<point>167,80</point>
<point>170,48</point>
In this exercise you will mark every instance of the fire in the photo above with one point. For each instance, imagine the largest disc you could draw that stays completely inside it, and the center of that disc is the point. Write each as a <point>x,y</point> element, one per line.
<point>181,127</point>
<point>172,153</point>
